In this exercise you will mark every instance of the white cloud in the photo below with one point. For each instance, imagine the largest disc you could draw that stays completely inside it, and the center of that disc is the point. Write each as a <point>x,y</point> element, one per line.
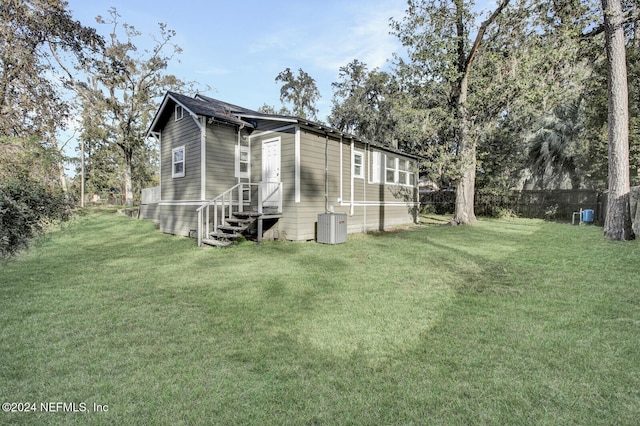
<point>363,35</point>
<point>337,33</point>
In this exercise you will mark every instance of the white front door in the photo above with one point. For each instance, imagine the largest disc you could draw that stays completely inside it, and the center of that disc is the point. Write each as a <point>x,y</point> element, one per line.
<point>271,172</point>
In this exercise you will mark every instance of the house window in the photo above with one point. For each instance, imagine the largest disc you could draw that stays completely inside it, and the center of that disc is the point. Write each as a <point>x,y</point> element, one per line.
<point>390,169</point>
<point>179,112</point>
<point>243,158</point>
<point>177,162</point>
<point>358,164</point>
<point>412,174</point>
<point>244,161</point>
<point>398,171</point>
<point>403,172</point>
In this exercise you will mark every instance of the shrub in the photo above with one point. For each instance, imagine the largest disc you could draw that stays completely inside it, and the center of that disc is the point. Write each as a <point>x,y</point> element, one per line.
<point>26,208</point>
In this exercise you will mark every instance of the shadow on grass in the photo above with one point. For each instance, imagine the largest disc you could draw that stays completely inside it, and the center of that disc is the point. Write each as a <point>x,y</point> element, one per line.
<point>455,325</point>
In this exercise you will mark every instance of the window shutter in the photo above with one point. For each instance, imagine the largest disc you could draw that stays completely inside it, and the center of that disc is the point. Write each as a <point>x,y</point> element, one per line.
<point>377,167</point>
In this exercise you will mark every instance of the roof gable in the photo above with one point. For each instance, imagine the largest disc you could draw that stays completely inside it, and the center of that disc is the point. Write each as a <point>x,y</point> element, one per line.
<point>197,107</point>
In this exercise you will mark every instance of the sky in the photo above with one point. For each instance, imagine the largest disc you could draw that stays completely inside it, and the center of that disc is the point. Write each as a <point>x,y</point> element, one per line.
<point>237,48</point>
<point>233,50</point>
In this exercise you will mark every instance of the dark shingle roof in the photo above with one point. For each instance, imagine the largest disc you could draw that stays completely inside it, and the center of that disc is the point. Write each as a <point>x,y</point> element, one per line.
<point>209,108</point>
<point>226,112</point>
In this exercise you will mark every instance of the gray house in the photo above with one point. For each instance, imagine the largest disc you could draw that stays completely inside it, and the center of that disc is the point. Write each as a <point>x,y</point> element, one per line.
<point>226,170</point>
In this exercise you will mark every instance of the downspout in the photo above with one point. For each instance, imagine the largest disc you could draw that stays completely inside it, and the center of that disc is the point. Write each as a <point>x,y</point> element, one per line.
<point>341,173</point>
<point>238,152</point>
<point>326,173</point>
<point>296,165</point>
<point>237,169</point>
<point>202,124</point>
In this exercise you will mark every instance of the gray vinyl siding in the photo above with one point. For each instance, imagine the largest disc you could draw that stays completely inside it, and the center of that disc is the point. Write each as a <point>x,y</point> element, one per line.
<point>220,160</point>
<point>267,125</point>
<point>312,182</point>
<point>376,215</point>
<point>298,221</point>
<point>178,220</point>
<point>150,212</point>
<point>175,134</point>
<point>287,224</point>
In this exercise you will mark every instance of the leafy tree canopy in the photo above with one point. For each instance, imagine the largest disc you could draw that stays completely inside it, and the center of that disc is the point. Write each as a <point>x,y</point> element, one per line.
<point>300,92</point>
<point>32,32</point>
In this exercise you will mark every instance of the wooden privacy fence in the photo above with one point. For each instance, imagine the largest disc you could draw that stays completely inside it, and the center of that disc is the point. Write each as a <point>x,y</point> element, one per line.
<point>552,204</point>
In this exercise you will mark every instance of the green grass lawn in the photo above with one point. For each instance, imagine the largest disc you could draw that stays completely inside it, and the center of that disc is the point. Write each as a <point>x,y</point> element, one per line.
<point>506,322</point>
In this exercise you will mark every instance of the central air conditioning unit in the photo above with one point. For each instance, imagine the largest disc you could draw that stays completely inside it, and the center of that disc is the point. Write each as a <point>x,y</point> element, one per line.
<point>332,228</point>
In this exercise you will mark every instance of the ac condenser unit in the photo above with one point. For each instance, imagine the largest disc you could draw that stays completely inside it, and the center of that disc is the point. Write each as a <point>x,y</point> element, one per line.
<point>332,228</point>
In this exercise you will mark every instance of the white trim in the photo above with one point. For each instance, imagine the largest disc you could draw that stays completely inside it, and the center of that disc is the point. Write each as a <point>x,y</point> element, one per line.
<point>236,161</point>
<point>156,118</point>
<point>180,108</point>
<point>268,117</point>
<point>175,175</point>
<point>196,119</point>
<point>376,167</point>
<point>203,157</point>
<point>352,189</point>
<point>181,203</point>
<point>160,164</point>
<point>341,172</point>
<point>297,159</point>
<point>279,129</point>
<point>348,204</point>
<point>198,203</point>
<point>367,149</point>
<point>377,203</point>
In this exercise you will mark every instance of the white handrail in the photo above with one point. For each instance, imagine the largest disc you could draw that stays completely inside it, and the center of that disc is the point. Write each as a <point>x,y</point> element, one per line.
<point>225,201</point>
<point>204,211</point>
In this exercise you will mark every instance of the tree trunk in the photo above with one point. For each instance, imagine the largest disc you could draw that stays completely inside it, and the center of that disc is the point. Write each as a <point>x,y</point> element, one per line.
<point>575,179</point>
<point>617,225</point>
<point>60,167</point>
<point>128,186</point>
<point>63,177</point>
<point>465,189</point>
<point>636,27</point>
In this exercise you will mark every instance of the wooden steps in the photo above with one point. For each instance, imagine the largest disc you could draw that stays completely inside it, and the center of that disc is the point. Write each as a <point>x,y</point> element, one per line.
<point>215,242</point>
<point>224,235</point>
<point>240,223</point>
<point>248,214</point>
<point>246,223</point>
<point>231,228</point>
